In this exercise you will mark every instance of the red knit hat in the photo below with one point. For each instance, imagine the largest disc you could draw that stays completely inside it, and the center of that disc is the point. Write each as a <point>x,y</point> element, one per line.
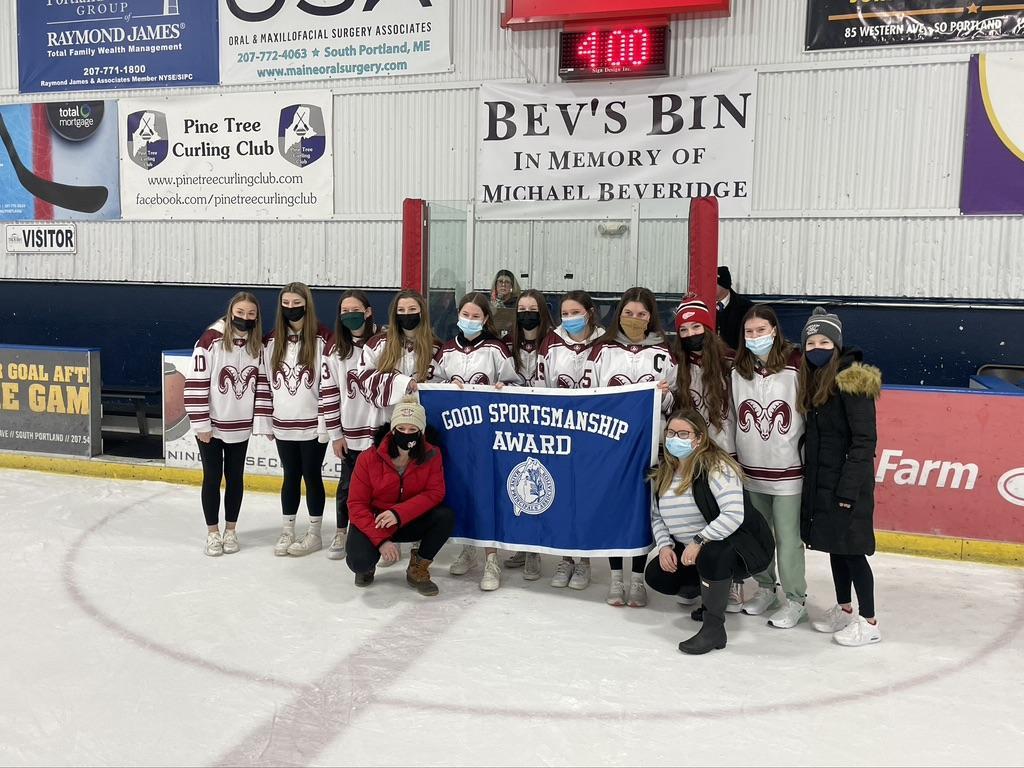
<point>694,311</point>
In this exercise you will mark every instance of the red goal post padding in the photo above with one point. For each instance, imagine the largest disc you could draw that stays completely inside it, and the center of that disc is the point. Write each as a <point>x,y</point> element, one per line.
<point>527,13</point>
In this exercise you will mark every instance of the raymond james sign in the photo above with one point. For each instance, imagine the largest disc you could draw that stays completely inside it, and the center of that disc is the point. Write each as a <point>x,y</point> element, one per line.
<point>595,149</point>
<point>50,400</point>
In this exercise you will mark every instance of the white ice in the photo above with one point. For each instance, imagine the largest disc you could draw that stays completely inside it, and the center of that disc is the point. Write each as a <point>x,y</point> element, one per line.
<point>123,644</point>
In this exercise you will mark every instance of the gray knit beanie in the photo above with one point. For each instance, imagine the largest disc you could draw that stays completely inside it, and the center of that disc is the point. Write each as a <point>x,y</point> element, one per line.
<point>826,324</point>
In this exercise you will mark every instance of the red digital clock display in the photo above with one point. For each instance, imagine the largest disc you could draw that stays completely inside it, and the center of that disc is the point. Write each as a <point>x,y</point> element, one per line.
<point>626,51</point>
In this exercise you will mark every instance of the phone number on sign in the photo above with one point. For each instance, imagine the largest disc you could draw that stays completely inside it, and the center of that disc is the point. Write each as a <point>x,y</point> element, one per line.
<point>292,53</point>
<point>127,69</point>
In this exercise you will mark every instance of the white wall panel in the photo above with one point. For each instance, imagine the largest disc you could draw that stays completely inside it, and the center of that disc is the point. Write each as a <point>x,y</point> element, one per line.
<point>363,254</point>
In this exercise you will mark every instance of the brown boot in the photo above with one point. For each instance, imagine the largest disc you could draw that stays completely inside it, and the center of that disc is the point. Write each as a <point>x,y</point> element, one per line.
<point>418,575</point>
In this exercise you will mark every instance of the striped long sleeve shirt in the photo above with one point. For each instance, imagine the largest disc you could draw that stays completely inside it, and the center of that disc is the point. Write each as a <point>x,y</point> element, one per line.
<point>675,517</point>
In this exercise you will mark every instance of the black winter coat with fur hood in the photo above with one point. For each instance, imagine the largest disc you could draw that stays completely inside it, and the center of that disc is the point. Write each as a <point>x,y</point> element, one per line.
<point>839,463</point>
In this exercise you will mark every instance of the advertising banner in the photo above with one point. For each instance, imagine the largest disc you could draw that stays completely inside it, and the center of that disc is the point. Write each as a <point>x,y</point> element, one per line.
<point>180,448</point>
<point>950,463</point>
<point>835,24</point>
<point>50,400</point>
<point>102,45</point>
<point>542,470</point>
<point>993,175</point>
<point>286,40</point>
<point>593,150</point>
<point>59,161</point>
<point>239,156</point>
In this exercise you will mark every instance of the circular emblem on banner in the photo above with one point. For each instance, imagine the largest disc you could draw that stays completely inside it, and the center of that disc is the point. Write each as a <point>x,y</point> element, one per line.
<point>531,488</point>
<point>1011,486</point>
<point>75,120</point>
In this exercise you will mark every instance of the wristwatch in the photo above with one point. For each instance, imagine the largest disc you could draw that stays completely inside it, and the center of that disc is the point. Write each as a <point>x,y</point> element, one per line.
<point>699,540</point>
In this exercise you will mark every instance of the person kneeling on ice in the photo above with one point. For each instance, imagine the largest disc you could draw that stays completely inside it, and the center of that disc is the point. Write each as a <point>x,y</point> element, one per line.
<point>702,527</point>
<point>395,496</point>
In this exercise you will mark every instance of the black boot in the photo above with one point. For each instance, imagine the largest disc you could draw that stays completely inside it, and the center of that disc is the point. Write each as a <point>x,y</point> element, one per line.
<point>711,636</point>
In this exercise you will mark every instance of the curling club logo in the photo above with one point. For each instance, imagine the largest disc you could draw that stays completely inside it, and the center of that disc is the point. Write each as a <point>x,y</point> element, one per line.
<point>147,138</point>
<point>531,488</point>
<point>301,134</point>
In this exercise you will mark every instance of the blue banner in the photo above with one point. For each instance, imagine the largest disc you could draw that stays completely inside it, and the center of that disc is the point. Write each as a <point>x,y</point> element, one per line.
<point>116,44</point>
<point>548,470</point>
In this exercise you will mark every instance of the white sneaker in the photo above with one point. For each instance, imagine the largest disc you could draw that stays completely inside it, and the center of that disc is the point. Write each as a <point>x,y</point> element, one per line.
<point>214,544</point>
<point>285,540</point>
<point>309,543</point>
<point>858,632</point>
<point>337,549</point>
<point>563,573</point>
<point>637,594</point>
<point>230,539</point>
<point>531,571</point>
<point>735,604</point>
<point>580,576</point>
<point>466,560</point>
<point>789,615</point>
<point>518,560</point>
<point>762,600</point>
<point>835,618</point>
<point>616,592</point>
<point>492,574</point>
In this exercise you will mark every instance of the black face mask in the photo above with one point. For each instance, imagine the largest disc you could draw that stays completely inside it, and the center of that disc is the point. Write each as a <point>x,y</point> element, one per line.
<point>528,321</point>
<point>406,441</point>
<point>293,314</point>
<point>242,325</point>
<point>409,322</point>
<point>693,343</point>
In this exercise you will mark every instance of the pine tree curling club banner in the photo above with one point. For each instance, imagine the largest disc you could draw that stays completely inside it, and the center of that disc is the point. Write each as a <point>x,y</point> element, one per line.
<point>837,24</point>
<point>263,41</point>
<point>552,471</point>
<point>228,156</point>
<point>594,150</point>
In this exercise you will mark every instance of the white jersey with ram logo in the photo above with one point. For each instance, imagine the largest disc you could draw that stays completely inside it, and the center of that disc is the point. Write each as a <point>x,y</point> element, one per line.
<point>528,363</point>
<point>724,437</point>
<point>382,389</point>
<point>562,361</point>
<point>620,362</point>
<point>359,417</point>
<point>484,360</point>
<point>220,389</point>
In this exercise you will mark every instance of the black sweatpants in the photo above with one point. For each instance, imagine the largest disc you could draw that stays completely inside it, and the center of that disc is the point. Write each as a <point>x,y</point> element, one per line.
<point>854,570</point>
<point>302,460</point>
<point>639,561</point>
<point>717,561</point>
<point>222,460</point>
<point>348,466</point>
<point>431,530</point>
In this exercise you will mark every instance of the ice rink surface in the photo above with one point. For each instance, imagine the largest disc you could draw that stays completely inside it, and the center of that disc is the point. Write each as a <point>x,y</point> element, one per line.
<point>125,645</point>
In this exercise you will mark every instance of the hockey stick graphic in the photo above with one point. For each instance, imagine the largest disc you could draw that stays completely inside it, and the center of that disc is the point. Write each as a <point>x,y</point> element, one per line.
<point>84,199</point>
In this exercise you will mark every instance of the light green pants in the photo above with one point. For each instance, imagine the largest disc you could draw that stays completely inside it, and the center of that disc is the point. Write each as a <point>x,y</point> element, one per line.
<point>783,516</point>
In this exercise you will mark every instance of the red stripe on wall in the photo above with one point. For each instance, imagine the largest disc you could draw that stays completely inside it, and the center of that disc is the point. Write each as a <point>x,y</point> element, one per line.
<point>42,157</point>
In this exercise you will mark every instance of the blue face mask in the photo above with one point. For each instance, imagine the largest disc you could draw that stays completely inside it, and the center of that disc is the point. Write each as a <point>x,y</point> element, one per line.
<point>819,358</point>
<point>760,346</point>
<point>574,325</point>
<point>470,328</point>
<point>678,447</point>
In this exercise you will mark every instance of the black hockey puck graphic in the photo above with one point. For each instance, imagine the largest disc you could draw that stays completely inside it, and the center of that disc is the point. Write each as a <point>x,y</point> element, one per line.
<point>75,120</point>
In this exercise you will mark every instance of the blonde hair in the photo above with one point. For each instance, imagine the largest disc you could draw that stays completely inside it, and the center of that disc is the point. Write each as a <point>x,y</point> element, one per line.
<point>307,337</point>
<point>706,458</point>
<point>423,339</point>
<point>254,343</point>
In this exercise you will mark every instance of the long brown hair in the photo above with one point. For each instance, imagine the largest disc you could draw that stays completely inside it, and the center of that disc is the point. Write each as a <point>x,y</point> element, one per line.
<point>583,299</point>
<point>254,343</point>
<point>816,385</point>
<point>781,349</point>
<point>645,297</point>
<point>343,339</point>
<point>716,367</point>
<point>706,457</point>
<point>481,301</point>
<point>517,336</point>
<point>423,338</point>
<point>307,337</point>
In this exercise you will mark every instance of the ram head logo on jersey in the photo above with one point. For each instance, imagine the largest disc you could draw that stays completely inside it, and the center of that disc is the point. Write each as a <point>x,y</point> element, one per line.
<point>622,380</point>
<point>147,138</point>
<point>777,414</point>
<point>476,378</point>
<point>230,378</point>
<point>301,134</point>
<point>531,488</point>
<point>293,377</point>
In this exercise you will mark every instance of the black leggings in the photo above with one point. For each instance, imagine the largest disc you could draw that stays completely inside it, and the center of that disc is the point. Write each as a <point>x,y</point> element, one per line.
<point>225,460</point>
<point>854,570</point>
<point>302,460</point>
<point>348,466</point>
<point>639,561</point>
<point>717,561</point>
<point>431,530</point>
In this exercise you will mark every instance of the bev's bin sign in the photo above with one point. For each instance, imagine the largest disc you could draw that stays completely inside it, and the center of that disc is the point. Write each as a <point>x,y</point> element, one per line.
<point>50,400</point>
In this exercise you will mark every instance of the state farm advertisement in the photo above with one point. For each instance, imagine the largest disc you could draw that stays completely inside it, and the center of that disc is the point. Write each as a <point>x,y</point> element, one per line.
<point>950,464</point>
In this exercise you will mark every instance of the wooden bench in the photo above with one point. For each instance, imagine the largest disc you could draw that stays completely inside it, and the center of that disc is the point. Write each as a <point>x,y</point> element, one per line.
<point>137,396</point>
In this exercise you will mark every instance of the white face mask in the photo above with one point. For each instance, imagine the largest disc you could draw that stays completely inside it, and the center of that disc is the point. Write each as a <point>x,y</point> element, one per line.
<point>762,345</point>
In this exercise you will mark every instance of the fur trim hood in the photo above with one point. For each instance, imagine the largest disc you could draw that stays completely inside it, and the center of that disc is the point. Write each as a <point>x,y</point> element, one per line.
<point>860,379</point>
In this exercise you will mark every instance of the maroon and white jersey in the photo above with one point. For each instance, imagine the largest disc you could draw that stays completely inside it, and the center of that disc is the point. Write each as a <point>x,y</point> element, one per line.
<point>621,362</point>
<point>725,437</point>
<point>385,390</point>
<point>220,390</point>
<point>359,417</point>
<point>296,402</point>
<point>528,363</point>
<point>562,361</point>
<point>769,429</point>
<point>484,360</point>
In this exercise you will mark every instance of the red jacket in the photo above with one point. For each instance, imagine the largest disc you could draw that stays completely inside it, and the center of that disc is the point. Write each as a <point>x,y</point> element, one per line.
<point>377,487</point>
